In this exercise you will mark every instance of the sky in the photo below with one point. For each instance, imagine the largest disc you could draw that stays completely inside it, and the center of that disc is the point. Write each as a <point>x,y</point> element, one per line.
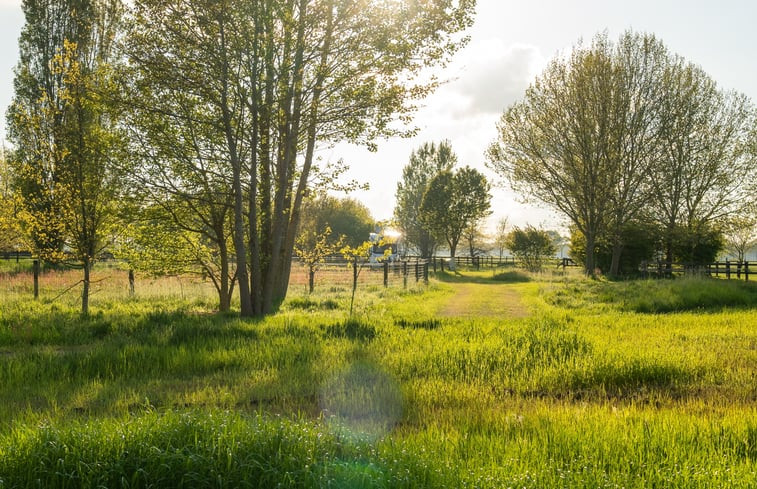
<point>511,42</point>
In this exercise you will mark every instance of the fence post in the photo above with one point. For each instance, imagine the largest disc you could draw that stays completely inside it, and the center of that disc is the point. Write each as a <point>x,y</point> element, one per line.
<point>738,270</point>
<point>746,271</point>
<point>417,271</point>
<point>386,274</point>
<point>728,269</point>
<point>442,263</point>
<point>425,272</point>
<point>131,282</point>
<point>434,258</point>
<point>404,274</point>
<point>35,268</point>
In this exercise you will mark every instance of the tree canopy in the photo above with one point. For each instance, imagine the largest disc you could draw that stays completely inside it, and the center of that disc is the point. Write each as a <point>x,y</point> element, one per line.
<point>452,202</point>
<point>425,163</point>
<point>345,217</point>
<point>254,87</point>
<point>64,126</point>
<point>615,130</point>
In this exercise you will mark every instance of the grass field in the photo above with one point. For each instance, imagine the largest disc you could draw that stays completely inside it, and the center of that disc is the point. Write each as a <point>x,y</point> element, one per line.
<point>477,380</point>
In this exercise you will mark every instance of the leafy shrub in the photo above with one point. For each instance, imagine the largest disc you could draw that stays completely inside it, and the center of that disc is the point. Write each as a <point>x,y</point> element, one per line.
<point>531,246</point>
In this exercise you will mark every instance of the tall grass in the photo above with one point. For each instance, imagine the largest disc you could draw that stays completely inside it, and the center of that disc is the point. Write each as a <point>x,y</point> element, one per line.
<point>590,390</point>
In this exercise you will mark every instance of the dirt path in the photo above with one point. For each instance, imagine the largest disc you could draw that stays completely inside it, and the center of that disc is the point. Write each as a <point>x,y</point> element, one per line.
<point>485,300</point>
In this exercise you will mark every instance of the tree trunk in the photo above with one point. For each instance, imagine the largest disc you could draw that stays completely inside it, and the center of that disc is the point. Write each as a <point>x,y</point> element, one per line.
<point>590,264</point>
<point>85,289</point>
<point>224,291</point>
<point>617,250</point>
<point>311,280</point>
<point>239,227</point>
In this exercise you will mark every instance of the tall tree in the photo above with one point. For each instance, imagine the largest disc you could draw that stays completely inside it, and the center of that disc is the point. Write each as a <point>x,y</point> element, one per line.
<point>554,145</point>
<point>638,62</point>
<point>272,80</point>
<point>603,133</point>
<point>454,201</point>
<point>425,163</point>
<point>705,160</point>
<point>64,126</point>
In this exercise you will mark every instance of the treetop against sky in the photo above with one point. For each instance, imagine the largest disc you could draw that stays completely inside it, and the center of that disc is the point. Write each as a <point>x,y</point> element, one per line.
<point>511,43</point>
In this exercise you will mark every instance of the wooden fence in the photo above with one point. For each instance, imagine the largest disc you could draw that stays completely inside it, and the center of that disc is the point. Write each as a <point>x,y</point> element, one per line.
<point>478,262</point>
<point>728,269</point>
<point>339,272</point>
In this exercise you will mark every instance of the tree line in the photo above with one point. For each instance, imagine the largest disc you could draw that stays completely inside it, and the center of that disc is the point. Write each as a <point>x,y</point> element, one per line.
<point>636,147</point>
<point>190,128</point>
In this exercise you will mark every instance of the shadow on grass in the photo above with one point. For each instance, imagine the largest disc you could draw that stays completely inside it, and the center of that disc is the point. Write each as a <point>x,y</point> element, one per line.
<point>635,380</point>
<point>166,359</point>
<point>353,329</point>
<point>647,296</point>
<point>69,328</point>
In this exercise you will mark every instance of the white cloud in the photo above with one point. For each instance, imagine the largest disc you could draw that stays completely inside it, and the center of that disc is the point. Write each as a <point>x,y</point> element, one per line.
<point>489,76</point>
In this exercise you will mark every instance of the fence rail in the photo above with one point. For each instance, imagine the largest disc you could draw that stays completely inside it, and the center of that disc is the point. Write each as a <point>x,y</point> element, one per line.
<point>729,269</point>
<point>479,262</point>
<point>339,272</point>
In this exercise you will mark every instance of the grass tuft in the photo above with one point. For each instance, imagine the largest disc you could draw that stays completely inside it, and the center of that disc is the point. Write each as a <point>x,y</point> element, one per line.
<point>430,323</point>
<point>353,329</point>
<point>512,277</point>
<point>308,304</point>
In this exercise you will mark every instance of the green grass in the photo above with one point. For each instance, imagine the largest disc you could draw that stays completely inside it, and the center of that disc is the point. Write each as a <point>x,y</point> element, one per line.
<point>662,296</point>
<point>602,384</point>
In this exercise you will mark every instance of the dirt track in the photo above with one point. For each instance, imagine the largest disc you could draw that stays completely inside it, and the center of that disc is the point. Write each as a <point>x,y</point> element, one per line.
<point>484,300</point>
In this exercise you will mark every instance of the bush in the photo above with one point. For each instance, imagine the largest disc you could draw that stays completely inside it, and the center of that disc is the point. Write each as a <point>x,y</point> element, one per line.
<point>698,246</point>
<point>640,242</point>
<point>531,246</point>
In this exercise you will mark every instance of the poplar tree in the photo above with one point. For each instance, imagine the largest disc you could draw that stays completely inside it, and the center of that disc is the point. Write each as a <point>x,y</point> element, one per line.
<point>64,126</point>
